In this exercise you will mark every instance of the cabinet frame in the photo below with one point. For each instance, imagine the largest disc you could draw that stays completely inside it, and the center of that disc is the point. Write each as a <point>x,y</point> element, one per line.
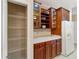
<point>52,49</point>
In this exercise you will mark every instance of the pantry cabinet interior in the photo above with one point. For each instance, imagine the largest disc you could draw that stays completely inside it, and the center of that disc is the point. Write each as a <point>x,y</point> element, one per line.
<point>52,17</point>
<point>45,23</point>
<point>17,31</point>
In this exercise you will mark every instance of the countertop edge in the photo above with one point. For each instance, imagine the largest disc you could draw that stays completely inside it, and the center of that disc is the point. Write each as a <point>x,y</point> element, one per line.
<point>40,41</point>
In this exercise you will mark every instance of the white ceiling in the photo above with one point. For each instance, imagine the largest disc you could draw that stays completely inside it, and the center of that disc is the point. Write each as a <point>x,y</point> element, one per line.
<point>68,4</point>
<point>65,3</point>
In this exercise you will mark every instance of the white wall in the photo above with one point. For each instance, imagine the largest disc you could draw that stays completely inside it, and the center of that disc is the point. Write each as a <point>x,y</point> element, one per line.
<point>46,3</point>
<point>74,19</point>
<point>68,4</point>
<point>29,27</point>
<point>4,30</point>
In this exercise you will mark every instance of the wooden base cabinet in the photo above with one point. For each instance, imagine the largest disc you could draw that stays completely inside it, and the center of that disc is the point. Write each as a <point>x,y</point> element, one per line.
<point>54,49</point>
<point>47,50</point>
<point>39,51</point>
<point>59,47</point>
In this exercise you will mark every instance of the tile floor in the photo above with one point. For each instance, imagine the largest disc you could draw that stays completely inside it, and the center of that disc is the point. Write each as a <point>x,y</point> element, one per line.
<point>72,56</point>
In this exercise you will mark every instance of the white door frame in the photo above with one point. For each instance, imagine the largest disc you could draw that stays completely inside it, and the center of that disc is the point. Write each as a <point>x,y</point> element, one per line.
<point>29,33</point>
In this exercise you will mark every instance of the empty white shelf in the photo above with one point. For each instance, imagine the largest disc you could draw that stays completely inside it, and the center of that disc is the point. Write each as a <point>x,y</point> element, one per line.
<point>17,16</point>
<point>10,27</point>
<point>17,38</point>
<point>16,50</point>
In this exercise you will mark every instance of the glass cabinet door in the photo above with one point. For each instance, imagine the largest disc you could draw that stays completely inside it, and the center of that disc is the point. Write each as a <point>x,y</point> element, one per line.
<point>17,35</point>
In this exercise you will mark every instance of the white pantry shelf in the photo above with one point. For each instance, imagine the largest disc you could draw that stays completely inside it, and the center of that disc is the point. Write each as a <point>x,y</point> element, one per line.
<point>10,27</point>
<point>16,50</point>
<point>17,16</point>
<point>17,38</point>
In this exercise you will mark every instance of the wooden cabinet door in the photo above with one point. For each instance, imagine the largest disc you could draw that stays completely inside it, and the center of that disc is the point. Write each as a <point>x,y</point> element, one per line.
<point>39,51</point>
<point>54,49</point>
<point>48,50</point>
<point>59,47</point>
<point>65,14</point>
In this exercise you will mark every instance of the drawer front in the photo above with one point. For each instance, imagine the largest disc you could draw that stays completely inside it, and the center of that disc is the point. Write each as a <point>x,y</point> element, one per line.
<point>39,45</point>
<point>53,42</point>
<point>48,43</point>
<point>59,41</point>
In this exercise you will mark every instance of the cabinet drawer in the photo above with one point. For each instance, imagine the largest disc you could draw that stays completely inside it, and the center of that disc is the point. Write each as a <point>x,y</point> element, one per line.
<point>59,41</point>
<point>49,42</point>
<point>39,45</point>
<point>53,42</point>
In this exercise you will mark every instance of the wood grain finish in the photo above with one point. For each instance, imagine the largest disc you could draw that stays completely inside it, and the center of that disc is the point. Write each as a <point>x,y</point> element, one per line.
<point>59,47</point>
<point>57,30</point>
<point>39,51</point>
<point>65,14</point>
<point>47,50</point>
<point>52,17</point>
<point>37,14</point>
<point>44,18</point>
<point>61,15</point>
<point>54,49</point>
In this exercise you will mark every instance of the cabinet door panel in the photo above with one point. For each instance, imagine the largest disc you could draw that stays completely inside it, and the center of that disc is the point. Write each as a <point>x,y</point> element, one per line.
<point>58,47</point>
<point>54,49</point>
<point>39,51</point>
<point>48,50</point>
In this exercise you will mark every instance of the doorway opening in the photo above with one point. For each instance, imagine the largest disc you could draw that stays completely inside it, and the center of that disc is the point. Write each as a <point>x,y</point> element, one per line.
<point>17,31</point>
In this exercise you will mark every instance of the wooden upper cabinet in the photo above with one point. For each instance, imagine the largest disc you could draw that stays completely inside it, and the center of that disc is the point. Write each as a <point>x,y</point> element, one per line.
<point>61,15</point>
<point>52,17</point>
<point>45,18</point>
<point>65,14</point>
<point>36,15</point>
